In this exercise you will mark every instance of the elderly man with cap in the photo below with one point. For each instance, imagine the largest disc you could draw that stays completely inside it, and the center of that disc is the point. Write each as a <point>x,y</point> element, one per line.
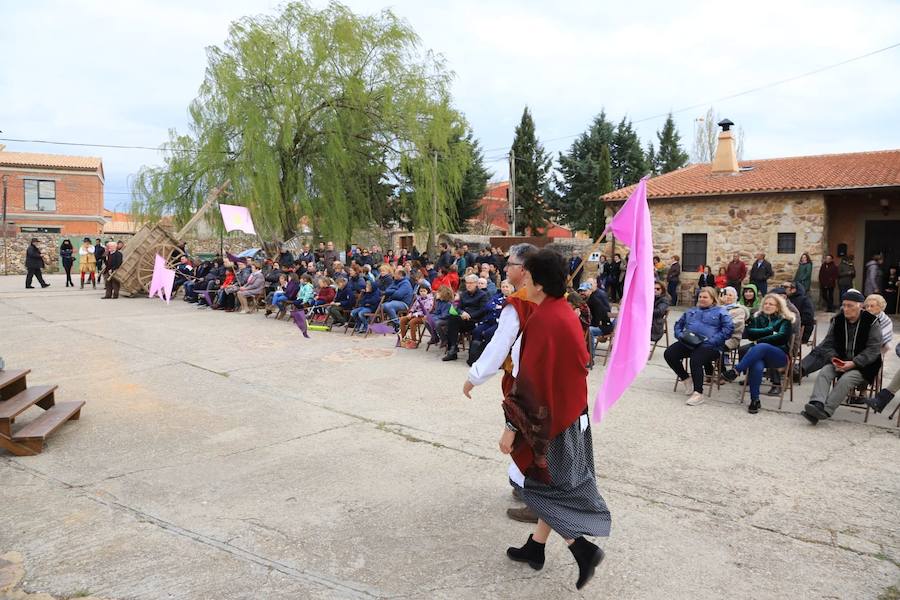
<point>849,356</point>
<point>34,262</point>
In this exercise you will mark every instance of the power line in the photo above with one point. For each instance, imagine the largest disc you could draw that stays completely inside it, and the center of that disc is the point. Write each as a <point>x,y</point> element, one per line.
<point>556,139</point>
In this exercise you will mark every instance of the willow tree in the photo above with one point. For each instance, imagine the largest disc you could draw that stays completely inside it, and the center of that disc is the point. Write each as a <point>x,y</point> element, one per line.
<point>312,114</point>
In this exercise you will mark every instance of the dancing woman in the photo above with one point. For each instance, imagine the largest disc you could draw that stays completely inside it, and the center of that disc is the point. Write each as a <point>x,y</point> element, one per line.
<point>547,427</point>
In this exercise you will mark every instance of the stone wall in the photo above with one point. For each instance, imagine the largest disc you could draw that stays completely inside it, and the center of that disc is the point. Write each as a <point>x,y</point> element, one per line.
<point>745,224</point>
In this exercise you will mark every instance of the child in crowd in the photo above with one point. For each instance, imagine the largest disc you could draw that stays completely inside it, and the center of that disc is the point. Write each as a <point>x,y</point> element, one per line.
<point>437,320</point>
<point>344,300</point>
<point>721,279</point>
<point>306,292</point>
<point>421,306</point>
<point>367,305</point>
<point>323,300</point>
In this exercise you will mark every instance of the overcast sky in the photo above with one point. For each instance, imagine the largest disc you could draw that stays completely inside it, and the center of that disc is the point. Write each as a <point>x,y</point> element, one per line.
<point>111,72</point>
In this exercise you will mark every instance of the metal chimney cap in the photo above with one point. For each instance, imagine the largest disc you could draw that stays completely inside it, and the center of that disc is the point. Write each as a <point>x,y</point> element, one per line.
<point>725,124</point>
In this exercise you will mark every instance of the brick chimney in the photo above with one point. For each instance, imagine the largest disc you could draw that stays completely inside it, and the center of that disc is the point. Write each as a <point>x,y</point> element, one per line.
<point>725,160</point>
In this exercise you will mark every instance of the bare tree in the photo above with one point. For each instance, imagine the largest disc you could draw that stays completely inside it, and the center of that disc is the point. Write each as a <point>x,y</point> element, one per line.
<point>706,138</point>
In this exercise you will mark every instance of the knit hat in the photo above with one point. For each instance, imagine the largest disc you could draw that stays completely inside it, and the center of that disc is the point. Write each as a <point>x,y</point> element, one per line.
<point>778,290</point>
<point>585,286</point>
<point>854,296</point>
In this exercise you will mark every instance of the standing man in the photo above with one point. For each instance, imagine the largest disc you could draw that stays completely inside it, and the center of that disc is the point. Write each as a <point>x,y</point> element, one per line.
<point>828,278</point>
<point>503,349</point>
<point>673,278</point>
<point>34,262</point>
<point>846,275</point>
<point>575,270</point>
<point>445,259</point>
<point>872,279</point>
<point>113,262</point>
<point>100,257</point>
<point>330,256</point>
<point>735,272</point>
<point>760,273</point>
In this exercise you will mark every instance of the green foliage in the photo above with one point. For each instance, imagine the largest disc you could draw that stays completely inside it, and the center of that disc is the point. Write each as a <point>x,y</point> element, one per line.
<point>584,174</point>
<point>628,161</point>
<point>314,113</point>
<point>473,187</point>
<point>532,176</point>
<point>670,156</point>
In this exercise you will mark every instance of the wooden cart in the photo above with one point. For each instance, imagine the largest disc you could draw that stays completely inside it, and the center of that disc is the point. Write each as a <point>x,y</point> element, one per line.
<point>139,254</point>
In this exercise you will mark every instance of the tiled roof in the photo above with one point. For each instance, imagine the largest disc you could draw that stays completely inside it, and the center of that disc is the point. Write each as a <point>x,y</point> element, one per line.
<point>823,172</point>
<point>49,161</point>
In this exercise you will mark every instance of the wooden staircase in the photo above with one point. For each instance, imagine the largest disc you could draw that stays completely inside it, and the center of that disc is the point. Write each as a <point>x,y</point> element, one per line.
<point>15,398</point>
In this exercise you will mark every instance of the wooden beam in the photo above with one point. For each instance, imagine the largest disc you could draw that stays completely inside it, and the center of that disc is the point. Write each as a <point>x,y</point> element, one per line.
<point>210,200</point>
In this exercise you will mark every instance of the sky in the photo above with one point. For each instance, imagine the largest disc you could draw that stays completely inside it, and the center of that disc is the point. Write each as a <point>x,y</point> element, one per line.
<point>105,72</point>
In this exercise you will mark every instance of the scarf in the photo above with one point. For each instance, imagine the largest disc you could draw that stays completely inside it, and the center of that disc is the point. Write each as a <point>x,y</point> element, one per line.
<point>550,392</point>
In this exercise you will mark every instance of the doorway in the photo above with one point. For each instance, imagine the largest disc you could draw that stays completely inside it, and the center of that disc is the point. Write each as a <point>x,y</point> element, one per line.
<point>882,237</point>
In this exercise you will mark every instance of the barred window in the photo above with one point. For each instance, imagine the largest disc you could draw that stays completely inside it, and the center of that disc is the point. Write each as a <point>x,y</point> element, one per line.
<point>787,243</point>
<point>693,251</point>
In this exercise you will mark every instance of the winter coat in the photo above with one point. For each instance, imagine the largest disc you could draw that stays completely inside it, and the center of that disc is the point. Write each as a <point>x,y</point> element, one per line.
<point>598,303</point>
<point>706,280</point>
<point>326,295</point>
<point>384,282</point>
<point>256,283</point>
<point>713,323</point>
<point>305,295</point>
<point>738,316</point>
<point>657,328</point>
<point>292,289</point>
<point>66,255</point>
<point>475,304</point>
<point>804,306</point>
<point>422,305</point>
<point>399,291</point>
<point>735,271</point>
<point>774,330</point>
<point>345,297</point>
<point>872,282</point>
<point>674,273</point>
<point>371,299</point>
<point>33,258</point>
<point>803,276</point>
<point>756,299</point>
<point>356,284</point>
<point>828,275</point>
<point>761,270</point>
<point>441,309</point>
<point>846,274</point>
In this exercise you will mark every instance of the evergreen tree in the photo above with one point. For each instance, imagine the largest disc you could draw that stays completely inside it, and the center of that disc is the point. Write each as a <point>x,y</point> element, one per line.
<point>532,167</point>
<point>671,156</point>
<point>474,185</point>
<point>578,185</point>
<point>652,159</point>
<point>627,156</point>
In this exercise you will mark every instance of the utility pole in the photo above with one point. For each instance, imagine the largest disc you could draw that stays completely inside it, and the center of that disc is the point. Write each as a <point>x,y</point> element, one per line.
<point>5,240</point>
<point>432,252</point>
<point>512,189</point>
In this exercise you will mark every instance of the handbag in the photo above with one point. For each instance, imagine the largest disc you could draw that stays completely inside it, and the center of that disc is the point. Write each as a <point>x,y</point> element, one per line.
<point>691,339</point>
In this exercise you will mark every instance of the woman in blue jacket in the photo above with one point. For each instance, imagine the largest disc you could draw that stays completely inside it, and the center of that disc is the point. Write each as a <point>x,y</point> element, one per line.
<point>770,332</point>
<point>701,333</point>
<point>367,305</point>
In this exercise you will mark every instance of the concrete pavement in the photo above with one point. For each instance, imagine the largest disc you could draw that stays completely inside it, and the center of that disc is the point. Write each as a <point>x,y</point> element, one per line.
<point>225,456</point>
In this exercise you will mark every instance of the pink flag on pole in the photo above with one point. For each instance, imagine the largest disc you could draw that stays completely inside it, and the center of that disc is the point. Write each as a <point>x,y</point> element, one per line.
<point>162,281</point>
<point>237,218</point>
<point>631,344</point>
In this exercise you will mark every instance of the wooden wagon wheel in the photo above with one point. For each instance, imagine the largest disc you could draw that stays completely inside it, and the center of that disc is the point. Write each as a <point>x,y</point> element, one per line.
<point>168,250</point>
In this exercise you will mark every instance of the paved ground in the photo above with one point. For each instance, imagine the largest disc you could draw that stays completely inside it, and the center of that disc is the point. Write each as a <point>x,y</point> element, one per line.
<point>224,456</point>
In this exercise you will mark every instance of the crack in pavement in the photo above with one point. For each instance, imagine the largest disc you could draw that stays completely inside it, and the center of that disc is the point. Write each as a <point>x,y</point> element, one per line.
<point>832,544</point>
<point>349,589</point>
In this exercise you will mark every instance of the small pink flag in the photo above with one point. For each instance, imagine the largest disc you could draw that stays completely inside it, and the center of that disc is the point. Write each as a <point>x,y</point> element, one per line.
<point>162,281</point>
<point>631,343</point>
<point>237,218</point>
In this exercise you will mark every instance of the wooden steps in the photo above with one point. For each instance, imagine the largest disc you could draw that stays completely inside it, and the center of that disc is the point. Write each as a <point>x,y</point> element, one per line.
<point>16,398</point>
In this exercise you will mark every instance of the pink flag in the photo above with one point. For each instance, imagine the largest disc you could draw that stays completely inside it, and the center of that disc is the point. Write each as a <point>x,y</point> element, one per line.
<point>237,217</point>
<point>631,344</point>
<point>162,281</point>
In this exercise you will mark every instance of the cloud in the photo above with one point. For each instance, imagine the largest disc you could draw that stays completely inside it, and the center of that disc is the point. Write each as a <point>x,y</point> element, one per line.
<point>124,73</point>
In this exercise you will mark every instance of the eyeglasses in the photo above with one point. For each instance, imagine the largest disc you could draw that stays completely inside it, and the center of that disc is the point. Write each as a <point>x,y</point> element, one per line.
<point>510,263</point>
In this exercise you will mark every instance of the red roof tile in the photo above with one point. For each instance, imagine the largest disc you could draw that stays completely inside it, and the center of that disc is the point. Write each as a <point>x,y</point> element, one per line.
<point>823,172</point>
<point>49,161</point>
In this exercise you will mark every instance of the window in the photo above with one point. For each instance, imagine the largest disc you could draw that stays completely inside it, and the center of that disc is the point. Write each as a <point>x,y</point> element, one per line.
<point>40,195</point>
<point>787,243</point>
<point>693,251</point>
<point>39,229</point>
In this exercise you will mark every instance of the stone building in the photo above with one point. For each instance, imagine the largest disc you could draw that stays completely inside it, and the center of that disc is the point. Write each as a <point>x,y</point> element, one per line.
<point>829,204</point>
<point>52,193</point>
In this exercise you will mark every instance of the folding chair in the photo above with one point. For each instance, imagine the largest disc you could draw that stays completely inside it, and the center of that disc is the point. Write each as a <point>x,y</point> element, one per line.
<point>709,380</point>
<point>787,378</point>
<point>798,367</point>
<point>856,399</point>
<point>350,321</point>
<point>665,332</point>
<point>375,317</point>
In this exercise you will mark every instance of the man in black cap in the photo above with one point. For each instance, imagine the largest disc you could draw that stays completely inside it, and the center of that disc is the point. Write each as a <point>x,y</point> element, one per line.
<point>34,262</point>
<point>849,356</point>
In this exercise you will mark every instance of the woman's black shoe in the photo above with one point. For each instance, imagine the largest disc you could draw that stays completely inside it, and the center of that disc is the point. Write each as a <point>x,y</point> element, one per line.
<point>588,556</point>
<point>532,553</point>
<point>754,407</point>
